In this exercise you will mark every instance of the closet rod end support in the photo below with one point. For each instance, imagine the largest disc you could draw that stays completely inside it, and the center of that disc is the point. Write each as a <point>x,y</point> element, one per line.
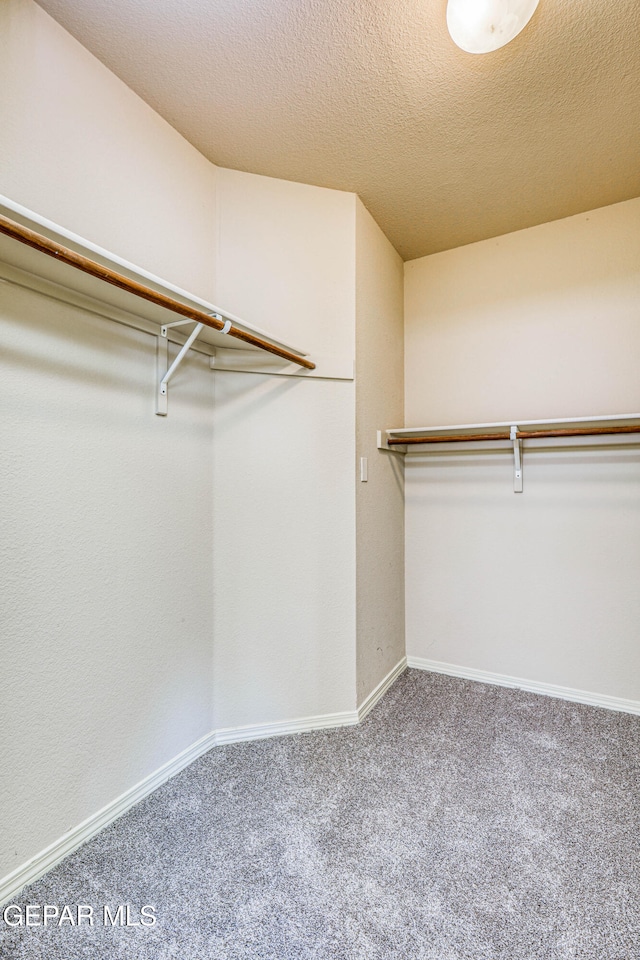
<point>517,459</point>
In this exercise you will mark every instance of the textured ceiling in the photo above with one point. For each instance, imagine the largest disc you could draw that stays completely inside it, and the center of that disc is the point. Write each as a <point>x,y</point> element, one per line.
<point>443,147</point>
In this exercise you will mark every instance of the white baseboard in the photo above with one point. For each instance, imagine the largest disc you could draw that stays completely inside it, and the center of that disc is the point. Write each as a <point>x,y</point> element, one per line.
<point>36,867</point>
<point>12,885</point>
<point>306,724</point>
<point>303,725</point>
<point>369,703</point>
<point>532,686</point>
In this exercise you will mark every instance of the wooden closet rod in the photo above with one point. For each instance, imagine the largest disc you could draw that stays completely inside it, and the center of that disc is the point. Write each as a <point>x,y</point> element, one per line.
<point>15,230</point>
<point>520,435</point>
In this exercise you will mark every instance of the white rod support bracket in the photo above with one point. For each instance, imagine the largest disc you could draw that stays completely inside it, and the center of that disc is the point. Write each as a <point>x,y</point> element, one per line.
<point>162,360</point>
<point>161,365</point>
<point>168,326</point>
<point>517,459</point>
<point>227,323</point>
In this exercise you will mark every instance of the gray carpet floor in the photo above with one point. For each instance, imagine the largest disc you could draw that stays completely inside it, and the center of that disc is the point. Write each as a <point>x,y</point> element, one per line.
<point>459,822</point>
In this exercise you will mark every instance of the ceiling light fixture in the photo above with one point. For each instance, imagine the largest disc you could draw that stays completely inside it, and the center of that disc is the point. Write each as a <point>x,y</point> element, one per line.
<point>480,26</point>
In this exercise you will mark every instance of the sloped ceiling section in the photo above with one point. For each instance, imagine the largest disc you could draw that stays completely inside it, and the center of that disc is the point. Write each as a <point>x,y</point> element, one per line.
<point>371,96</point>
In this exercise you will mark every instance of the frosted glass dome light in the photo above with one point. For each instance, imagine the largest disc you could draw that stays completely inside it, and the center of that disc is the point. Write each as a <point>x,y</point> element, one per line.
<point>480,26</point>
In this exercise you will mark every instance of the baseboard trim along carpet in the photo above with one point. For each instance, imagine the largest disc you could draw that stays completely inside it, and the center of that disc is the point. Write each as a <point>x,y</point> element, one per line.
<point>532,686</point>
<point>306,724</point>
<point>32,870</point>
<point>36,867</point>
<point>369,703</point>
<point>262,730</point>
<point>41,863</point>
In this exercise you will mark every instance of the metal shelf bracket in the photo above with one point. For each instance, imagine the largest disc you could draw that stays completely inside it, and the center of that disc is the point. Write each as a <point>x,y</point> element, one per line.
<point>164,373</point>
<point>517,459</point>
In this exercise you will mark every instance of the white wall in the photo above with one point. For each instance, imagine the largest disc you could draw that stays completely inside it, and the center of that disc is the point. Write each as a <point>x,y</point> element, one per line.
<point>80,148</point>
<point>541,585</point>
<point>128,620</point>
<point>105,562</point>
<point>105,553</point>
<point>283,492</point>
<point>165,576</point>
<point>379,500</point>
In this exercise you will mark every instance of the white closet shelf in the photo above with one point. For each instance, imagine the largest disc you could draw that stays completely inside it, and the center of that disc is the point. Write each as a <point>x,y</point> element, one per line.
<point>32,261</point>
<point>495,431</point>
<point>421,440</point>
<point>39,254</point>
